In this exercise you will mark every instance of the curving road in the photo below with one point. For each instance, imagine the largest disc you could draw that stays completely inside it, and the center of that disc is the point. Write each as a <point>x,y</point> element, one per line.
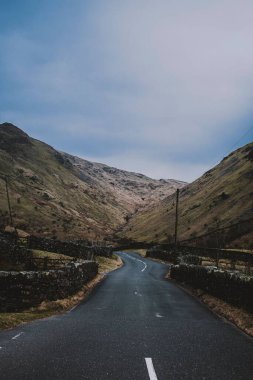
<point>134,325</point>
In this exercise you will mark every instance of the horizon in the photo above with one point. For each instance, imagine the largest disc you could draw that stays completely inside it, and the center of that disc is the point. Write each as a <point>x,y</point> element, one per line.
<point>157,88</point>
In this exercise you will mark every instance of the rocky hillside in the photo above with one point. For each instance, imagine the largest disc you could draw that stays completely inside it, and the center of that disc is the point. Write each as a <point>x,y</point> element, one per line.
<point>222,197</point>
<point>56,194</point>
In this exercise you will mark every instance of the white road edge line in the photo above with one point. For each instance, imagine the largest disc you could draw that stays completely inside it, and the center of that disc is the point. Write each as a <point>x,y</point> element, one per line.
<point>17,336</point>
<point>151,370</point>
<point>73,308</point>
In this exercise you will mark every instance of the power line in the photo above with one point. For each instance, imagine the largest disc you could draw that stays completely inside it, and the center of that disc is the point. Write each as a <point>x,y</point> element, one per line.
<point>242,137</point>
<point>232,147</point>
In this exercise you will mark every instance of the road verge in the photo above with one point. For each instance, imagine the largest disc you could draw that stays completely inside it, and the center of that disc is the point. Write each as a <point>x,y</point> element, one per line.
<point>237,316</point>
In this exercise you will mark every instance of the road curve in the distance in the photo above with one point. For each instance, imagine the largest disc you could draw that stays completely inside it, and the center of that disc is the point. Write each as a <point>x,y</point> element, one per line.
<point>134,325</point>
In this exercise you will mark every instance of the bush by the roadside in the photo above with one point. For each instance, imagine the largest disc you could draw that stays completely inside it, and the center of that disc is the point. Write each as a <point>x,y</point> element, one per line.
<point>234,288</point>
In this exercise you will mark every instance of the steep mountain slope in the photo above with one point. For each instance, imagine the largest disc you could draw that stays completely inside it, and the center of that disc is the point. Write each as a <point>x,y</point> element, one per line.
<point>56,194</point>
<point>221,197</point>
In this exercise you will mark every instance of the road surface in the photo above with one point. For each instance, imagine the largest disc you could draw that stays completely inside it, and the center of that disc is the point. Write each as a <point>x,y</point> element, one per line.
<point>134,325</point>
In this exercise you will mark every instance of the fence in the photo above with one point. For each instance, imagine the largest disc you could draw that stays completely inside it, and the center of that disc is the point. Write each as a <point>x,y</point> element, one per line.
<point>169,253</point>
<point>19,251</point>
<point>45,263</point>
<point>219,254</point>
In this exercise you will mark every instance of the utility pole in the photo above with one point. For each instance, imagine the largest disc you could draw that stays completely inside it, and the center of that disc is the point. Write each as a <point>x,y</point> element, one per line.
<point>176,218</point>
<point>8,199</point>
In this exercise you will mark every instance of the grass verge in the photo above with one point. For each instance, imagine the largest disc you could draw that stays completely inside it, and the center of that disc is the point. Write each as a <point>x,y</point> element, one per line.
<point>49,308</point>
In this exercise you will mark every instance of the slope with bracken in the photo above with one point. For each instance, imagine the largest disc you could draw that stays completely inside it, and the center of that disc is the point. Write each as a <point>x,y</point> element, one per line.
<point>222,197</point>
<point>56,194</point>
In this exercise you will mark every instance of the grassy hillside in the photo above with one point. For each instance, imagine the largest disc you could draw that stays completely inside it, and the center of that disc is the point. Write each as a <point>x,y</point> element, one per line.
<point>221,197</point>
<point>56,194</point>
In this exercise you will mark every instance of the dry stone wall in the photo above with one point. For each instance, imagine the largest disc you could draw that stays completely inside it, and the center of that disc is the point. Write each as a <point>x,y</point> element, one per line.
<point>69,248</point>
<point>58,246</point>
<point>168,253</point>
<point>232,287</point>
<point>21,290</point>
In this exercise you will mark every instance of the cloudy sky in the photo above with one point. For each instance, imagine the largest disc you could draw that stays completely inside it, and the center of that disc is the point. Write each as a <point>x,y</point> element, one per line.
<point>162,87</point>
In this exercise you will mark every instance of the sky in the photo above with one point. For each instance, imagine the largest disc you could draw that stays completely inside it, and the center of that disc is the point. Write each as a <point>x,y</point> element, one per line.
<point>160,87</point>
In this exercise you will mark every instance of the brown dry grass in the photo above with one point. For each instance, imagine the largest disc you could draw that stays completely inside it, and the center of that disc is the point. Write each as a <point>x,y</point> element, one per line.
<point>237,316</point>
<point>106,265</point>
<point>38,254</point>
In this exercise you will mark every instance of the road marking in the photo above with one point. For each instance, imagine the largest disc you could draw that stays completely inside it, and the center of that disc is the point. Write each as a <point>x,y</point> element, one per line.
<point>151,370</point>
<point>73,308</point>
<point>17,336</point>
<point>133,258</point>
<point>145,265</point>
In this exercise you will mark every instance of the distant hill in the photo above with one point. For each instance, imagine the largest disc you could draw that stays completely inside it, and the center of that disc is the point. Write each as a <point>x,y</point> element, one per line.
<point>56,194</point>
<point>222,197</point>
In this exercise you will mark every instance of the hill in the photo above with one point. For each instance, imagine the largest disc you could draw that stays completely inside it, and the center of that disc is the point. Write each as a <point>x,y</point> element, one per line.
<point>222,197</point>
<point>56,194</point>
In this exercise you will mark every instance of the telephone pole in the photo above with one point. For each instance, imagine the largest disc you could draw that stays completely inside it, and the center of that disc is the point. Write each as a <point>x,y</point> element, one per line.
<point>8,199</point>
<point>5,178</point>
<point>176,218</point>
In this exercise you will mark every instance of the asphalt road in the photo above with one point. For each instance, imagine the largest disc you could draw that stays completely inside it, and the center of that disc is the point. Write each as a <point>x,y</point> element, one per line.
<point>135,325</point>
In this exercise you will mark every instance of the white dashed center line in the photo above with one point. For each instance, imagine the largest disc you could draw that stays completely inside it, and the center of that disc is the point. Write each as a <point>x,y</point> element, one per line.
<point>17,336</point>
<point>145,265</point>
<point>151,370</point>
<point>158,315</point>
<point>133,258</point>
